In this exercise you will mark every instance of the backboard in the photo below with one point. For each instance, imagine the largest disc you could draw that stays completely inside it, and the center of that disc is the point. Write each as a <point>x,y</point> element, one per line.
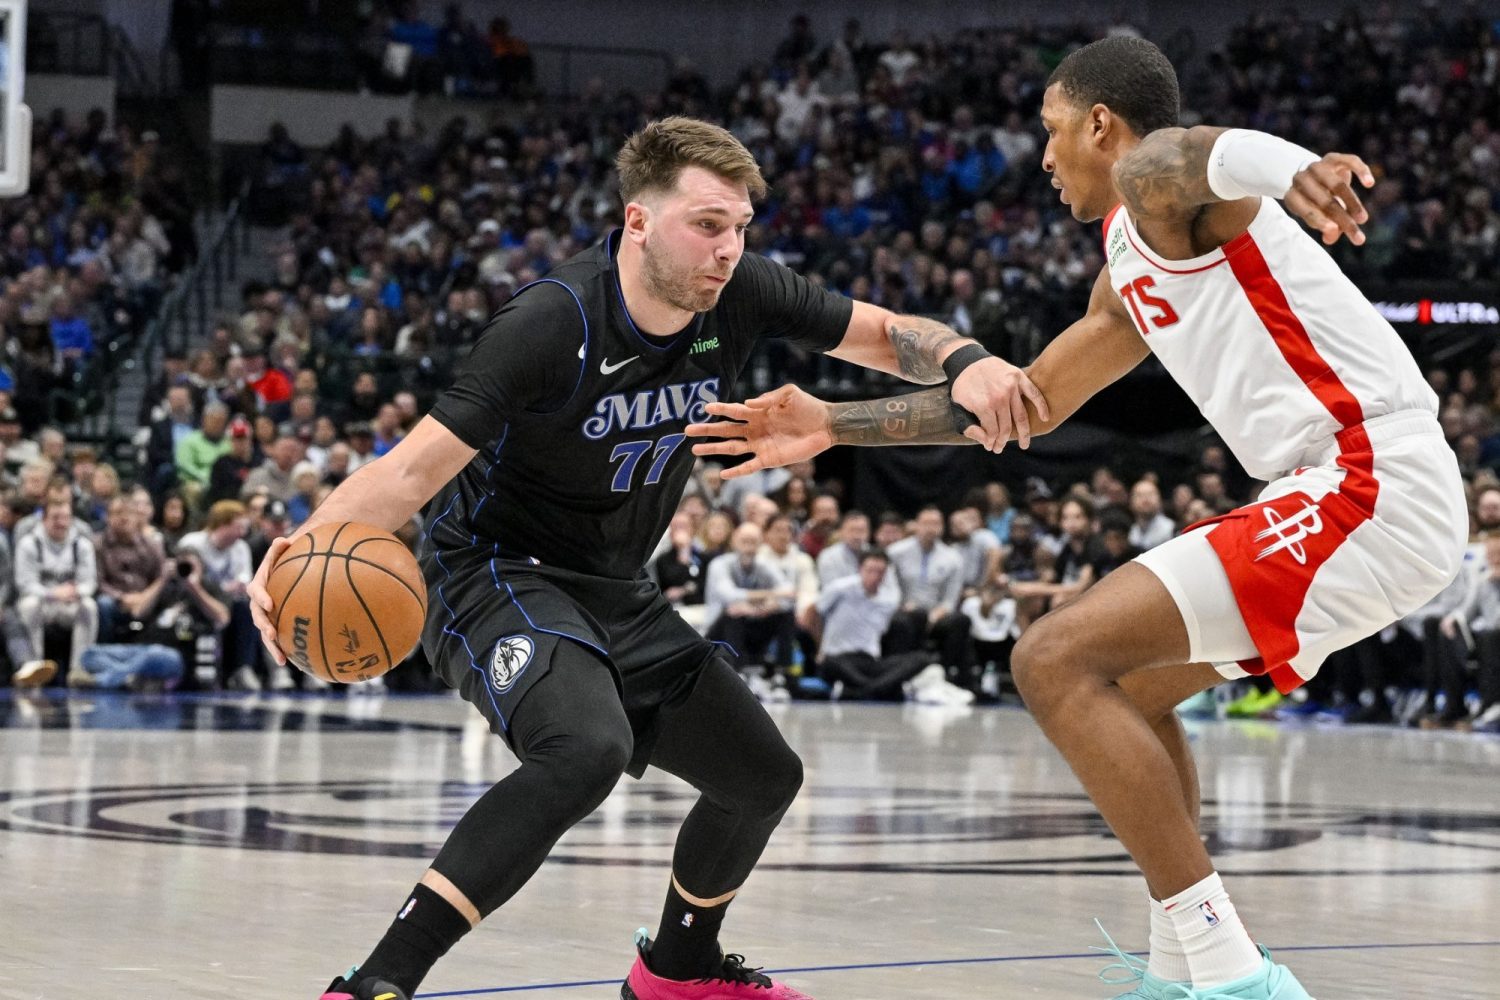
<point>15,123</point>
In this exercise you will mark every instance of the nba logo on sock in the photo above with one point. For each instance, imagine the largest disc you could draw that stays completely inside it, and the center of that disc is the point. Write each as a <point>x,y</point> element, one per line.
<point>687,920</point>
<point>1207,909</point>
<point>411,904</point>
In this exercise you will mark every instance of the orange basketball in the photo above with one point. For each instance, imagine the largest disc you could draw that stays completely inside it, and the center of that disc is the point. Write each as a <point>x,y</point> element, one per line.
<point>349,602</point>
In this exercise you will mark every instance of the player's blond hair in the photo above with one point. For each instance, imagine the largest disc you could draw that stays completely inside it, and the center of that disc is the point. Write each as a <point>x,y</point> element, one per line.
<point>653,158</point>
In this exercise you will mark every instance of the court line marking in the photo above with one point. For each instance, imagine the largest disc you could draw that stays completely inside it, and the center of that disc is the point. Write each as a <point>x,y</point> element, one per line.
<point>990,960</point>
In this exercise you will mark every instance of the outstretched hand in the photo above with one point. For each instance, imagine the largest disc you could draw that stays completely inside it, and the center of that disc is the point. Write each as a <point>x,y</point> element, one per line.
<point>783,426</point>
<point>1322,195</point>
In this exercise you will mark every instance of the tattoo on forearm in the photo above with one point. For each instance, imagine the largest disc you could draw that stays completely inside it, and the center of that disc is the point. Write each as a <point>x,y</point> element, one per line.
<point>924,417</point>
<point>1167,174</point>
<point>918,343</point>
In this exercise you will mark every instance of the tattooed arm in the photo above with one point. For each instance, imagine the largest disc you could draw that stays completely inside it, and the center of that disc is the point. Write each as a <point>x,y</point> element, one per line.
<point>908,346</point>
<point>1166,176</point>
<point>925,417</point>
<point>915,348</point>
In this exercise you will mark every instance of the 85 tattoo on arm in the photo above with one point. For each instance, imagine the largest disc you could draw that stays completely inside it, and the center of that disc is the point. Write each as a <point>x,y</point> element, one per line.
<point>926,417</point>
<point>920,345</point>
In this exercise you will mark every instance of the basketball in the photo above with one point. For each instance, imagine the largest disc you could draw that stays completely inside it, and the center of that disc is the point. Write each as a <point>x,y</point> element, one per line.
<point>349,602</point>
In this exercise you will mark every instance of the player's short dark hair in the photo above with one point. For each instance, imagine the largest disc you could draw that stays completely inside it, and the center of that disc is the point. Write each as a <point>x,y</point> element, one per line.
<point>1130,76</point>
<point>653,158</point>
<point>873,552</point>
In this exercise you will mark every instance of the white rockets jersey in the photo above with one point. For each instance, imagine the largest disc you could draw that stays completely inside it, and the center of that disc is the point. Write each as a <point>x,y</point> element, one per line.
<point>1276,346</point>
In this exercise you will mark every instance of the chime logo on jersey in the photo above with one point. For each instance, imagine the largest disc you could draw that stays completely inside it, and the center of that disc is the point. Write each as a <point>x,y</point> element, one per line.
<point>633,411</point>
<point>512,654</point>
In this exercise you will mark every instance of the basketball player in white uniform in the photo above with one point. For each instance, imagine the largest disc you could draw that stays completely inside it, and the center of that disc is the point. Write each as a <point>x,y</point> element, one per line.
<point>1364,518</point>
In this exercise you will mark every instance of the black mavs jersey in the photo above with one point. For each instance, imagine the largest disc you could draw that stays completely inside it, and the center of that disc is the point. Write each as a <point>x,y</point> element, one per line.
<point>578,416</point>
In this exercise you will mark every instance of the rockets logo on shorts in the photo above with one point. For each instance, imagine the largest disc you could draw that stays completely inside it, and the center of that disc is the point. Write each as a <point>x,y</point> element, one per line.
<point>1290,531</point>
<point>512,654</point>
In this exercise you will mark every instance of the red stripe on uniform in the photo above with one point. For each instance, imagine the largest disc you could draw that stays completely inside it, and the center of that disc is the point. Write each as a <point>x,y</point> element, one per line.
<point>1272,589</point>
<point>1291,338</point>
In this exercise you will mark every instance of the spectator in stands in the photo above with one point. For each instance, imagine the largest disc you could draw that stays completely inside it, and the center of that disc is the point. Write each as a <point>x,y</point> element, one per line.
<point>388,432</point>
<point>270,384</point>
<point>361,444</point>
<point>749,603</point>
<point>822,522</point>
<point>799,571</point>
<point>199,450</point>
<point>856,610</point>
<point>59,490</point>
<point>131,570</point>
<point>713,535</point>
<point>998,512</point>
<point>977,547</point>
<point>931,577</point>
<point>841,558</point>
<point>993,624</point>
<point>226,480</point>
<point>173,520</point>
<point>306,481</point>
<point>1150,526</point>
<point>56,579</point>
<point>220,547</point>
<point>274,475</point>
<point>891,530</point>
<point>513,63</point>
<point>268,520</point>
<point>1480,615</point>
<point>103,488</point>
<point>680,569</point>
<point>72,337</point>
<point>167,433</point>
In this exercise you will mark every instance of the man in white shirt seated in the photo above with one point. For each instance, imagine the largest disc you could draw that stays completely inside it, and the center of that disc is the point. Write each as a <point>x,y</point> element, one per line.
<point>1150,527</point>
<point>750,603</point>
<point>801,574</point>
<point>856,611</point>
<point>841,559</point>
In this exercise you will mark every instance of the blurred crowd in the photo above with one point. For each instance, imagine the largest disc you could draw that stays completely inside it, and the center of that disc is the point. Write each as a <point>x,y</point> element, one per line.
<point>903,171</point>
<point>86,256</point>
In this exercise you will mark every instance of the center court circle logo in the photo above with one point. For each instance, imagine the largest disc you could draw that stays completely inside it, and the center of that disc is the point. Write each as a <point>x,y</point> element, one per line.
<point>512,654</point>
<point>885,831</point>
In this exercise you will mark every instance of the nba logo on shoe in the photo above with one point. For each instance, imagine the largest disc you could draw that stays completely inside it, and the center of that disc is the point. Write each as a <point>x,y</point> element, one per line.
<point>411,904</point>
<point>1207,909</point>
<point>687,920</point>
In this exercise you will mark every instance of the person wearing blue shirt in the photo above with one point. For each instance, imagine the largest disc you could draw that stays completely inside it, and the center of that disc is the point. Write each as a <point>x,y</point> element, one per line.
<point>71,334</point>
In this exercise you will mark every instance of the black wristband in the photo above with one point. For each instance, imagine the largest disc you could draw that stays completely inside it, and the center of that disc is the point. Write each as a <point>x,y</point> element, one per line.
<point>955,363</point>
<point>962,418</point>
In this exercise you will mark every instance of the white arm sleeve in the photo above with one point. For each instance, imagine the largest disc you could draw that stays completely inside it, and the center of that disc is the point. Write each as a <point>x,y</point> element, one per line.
<point>1246,164</point>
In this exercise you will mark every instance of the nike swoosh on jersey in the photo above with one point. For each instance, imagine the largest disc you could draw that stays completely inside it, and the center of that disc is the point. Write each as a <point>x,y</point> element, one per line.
<point>605,368</point>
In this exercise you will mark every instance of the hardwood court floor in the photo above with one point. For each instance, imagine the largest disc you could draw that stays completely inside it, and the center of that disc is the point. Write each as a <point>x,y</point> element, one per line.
<point>174,848</point>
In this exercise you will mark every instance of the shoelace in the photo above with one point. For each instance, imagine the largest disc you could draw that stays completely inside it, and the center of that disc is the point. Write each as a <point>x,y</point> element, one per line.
<point>1133,966</point>
<point>735,971</point>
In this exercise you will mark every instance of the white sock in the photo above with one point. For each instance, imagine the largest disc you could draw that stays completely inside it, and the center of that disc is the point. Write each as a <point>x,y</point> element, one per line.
<point>1168,960</point>
<point>1209,931</point>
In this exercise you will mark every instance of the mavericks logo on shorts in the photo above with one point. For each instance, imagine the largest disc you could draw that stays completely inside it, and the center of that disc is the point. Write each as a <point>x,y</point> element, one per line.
<point>512,654</point>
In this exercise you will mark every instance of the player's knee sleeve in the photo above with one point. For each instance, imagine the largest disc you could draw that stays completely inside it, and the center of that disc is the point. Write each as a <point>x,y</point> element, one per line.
<point>582,767</point>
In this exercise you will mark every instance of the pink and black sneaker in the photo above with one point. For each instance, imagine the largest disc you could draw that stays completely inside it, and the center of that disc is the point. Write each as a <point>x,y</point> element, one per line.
<point>347,987</point>
<point>732,981</point>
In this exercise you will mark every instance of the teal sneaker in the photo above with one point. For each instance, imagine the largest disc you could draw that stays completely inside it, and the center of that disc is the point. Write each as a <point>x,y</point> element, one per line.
<point>1270,982</point>
<point>1130,971</point>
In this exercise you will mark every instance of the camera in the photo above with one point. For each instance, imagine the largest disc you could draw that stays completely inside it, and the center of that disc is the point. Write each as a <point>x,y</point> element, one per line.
<point>184,567</point>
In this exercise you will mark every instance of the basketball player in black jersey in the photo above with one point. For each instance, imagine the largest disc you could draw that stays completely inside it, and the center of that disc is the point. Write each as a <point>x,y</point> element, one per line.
<point>553,465</point>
